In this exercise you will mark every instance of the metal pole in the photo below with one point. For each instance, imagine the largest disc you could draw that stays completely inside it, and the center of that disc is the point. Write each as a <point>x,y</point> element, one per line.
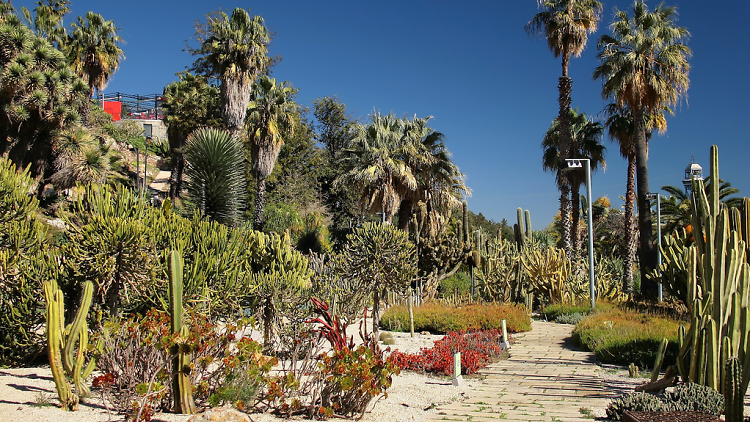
<point>658,237</point>
<point>591,236</point>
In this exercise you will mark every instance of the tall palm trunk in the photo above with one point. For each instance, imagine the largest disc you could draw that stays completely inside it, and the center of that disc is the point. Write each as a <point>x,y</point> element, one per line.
<point>647,253</point>
<point>575,200</point>
<point>565,86</point>
<point>235,96</point>
<point>565,211</point>
<point>260,204</point>
<point>629,227</point>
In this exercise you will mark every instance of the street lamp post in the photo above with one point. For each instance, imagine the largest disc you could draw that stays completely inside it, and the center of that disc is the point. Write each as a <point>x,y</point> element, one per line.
<point>577,163</point>
<point>651,196</point>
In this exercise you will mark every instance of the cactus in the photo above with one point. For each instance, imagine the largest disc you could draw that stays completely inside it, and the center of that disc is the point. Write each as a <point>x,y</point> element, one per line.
<point>67,346</point>
<point>465,209</point>
<point>518,228</point>
<point>718,278</point>
<point>527,216</point>
<point>734,395</point>
<point>182,389</point>
<point>659,359</point>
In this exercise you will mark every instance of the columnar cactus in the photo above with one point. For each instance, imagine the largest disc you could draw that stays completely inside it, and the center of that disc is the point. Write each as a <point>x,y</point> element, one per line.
<point>527,216</point>
<point>734,395</point>
<point>67,346</point>
<point>718,279</point>
<point>182,389</point>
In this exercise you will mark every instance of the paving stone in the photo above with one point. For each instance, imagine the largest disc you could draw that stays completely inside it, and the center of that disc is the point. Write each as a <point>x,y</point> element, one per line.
<point>543,380</point>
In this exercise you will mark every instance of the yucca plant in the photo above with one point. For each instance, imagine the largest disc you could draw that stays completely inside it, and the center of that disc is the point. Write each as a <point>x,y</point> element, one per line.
<point>215,170</point>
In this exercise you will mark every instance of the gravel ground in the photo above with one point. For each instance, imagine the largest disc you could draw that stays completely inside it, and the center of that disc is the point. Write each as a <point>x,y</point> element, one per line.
<point>412,397</point>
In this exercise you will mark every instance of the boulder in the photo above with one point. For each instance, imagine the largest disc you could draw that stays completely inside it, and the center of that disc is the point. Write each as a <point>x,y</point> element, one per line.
<point>220,414</point>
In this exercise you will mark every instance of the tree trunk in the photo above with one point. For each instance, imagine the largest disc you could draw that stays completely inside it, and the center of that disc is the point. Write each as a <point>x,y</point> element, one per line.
<point>268,324</point>
<point>575,199</point>
<point>235,96</point>
<point>565,86</point>
<point>404,215</point>
<point>647,253</point>
<point>376,314</point>
<point>260,204</point>
<point>629,227</point>
<point>565,217</point>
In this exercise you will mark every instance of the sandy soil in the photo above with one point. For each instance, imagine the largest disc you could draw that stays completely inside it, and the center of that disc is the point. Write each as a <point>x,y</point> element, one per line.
<point>412,397</point>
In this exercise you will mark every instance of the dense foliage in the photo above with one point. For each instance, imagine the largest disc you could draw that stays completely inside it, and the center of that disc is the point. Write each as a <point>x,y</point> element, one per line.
<point>623,336</point>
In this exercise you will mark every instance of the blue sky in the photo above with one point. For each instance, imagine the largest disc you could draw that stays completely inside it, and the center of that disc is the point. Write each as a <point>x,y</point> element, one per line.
<point>491,89</point>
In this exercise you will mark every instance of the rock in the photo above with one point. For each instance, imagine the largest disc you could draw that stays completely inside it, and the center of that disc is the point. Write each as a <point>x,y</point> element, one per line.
<point>221,414</point>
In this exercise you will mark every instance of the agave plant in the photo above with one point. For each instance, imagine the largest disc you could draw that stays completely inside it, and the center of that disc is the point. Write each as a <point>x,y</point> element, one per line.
<point>215,170</point>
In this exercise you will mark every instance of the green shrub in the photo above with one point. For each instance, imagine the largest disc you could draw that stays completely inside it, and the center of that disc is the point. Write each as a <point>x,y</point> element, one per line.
<point>456,285</point>
<point>437,318</point>
<point>624,336</point>
<point>572,319</point>
<point>553,312</point>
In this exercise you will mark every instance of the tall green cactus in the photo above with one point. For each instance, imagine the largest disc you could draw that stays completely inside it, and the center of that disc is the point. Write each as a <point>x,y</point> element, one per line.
<point>718,279</point>
<point>527,215</point>
<point>67,346</point>
<point>182,389</point>
<point>519,228</point>
<point>734,395</point>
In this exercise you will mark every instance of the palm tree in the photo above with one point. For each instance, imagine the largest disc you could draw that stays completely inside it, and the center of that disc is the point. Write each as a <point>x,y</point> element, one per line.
<point>215,174</point>
<point>191,103</point>
<point>585,143</point>
<point>440,184</point>
<point>643,65</point>
<point>81,158</point>
<point>94,53</point>
<point>234,50</point>
<point>373,163</point>
<point>565,24</point>
<point>271,108</point>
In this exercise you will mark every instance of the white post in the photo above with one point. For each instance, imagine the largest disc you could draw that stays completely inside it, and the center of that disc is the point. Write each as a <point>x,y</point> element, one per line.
<point>505,344</point>
<point>458,380</point>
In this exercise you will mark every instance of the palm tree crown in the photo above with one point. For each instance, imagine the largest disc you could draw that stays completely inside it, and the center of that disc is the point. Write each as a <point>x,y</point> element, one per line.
<point>586,138</point>
<point>93,50</point>
<point>270,119</point>
<point>566,25</point>
<point>234,49</point>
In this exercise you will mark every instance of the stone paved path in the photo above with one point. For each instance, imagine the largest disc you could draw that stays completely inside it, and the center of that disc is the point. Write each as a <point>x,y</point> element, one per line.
<point>546,378</point>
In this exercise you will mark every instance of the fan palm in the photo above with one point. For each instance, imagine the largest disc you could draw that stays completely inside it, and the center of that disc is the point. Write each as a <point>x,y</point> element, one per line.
<point>81,158</point>
<point>585,142</point>
<point>215,174</point>
<point>374,164</point>
<point>271,108</point>
<point>440,184</point>
<point>234,50</point>
<point>643,65</point>
<point>94,53</point>
<point>565,24</point>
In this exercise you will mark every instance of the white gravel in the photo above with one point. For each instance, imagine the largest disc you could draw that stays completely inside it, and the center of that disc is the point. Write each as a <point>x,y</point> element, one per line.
<point>412,397</point>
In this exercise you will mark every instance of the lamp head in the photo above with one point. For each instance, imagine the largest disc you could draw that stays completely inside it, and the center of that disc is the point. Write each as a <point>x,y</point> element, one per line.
<point>574,163</point>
